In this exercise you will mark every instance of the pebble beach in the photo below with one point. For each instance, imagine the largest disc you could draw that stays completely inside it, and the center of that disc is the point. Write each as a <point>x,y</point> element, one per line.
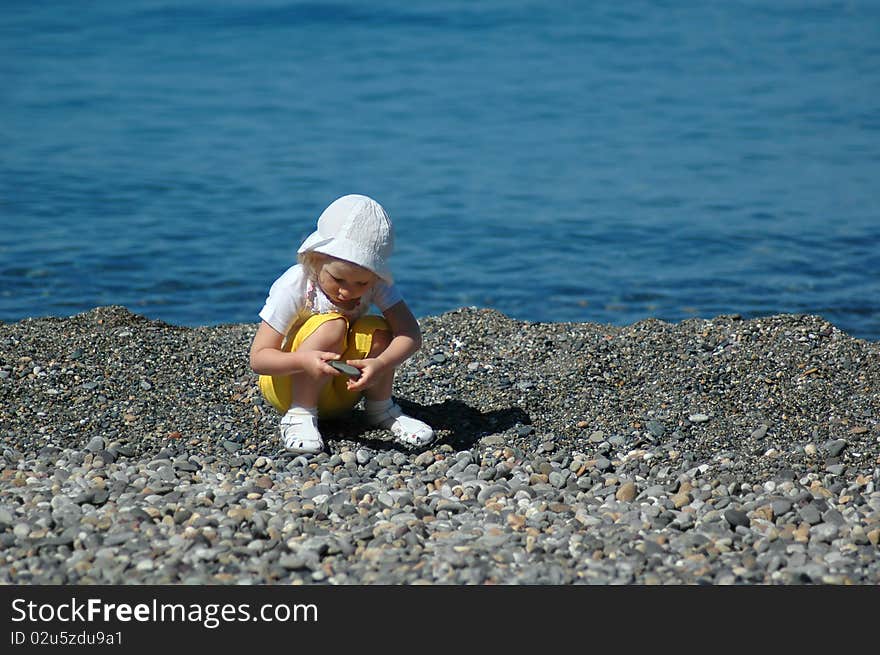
<point>720,451</point>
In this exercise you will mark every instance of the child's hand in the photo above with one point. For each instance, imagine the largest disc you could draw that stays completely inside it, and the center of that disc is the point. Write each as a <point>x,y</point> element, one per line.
<point>371,370</point>
<point>317,365</point>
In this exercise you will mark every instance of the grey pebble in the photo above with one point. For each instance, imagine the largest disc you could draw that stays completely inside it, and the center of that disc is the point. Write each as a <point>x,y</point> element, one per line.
<point>810,513</point>
<point>835,447</point>
<point>656,428</point>
<point>95,444</point>
<point>781,506</point>
<point>737,518</point>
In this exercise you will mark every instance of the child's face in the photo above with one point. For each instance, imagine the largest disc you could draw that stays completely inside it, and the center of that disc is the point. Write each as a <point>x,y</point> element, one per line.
<point>343,282</point>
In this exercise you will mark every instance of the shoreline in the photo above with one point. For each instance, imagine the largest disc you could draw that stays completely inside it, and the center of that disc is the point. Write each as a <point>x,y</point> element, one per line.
<point>716,451</point>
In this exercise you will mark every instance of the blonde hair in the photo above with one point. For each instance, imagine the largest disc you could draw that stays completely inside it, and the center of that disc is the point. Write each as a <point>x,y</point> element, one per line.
<point>312,262</point>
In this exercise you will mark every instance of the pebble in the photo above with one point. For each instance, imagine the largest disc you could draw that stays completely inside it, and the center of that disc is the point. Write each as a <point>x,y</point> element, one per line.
<point>737,518</point>
<point>175,482</point>
<point>656,428</point>
<point>626,492</point>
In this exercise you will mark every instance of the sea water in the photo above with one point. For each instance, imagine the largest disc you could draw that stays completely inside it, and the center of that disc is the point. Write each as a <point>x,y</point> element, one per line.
<point>558,161</point>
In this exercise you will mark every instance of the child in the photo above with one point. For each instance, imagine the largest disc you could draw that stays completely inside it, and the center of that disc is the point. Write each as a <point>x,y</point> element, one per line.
<point>316,313</point>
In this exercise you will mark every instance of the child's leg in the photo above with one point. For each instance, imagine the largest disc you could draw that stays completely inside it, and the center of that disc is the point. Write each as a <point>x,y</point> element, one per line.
<point>365,339</point>
<point>329,336</point>
<point>381,410</point>
<point>297,396</point>
<point>319,332</point>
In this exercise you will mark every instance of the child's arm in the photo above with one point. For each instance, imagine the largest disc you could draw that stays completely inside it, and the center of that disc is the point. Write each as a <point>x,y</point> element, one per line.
<point>267,358</point>
<point>406,340</point>
<point>407,336</point>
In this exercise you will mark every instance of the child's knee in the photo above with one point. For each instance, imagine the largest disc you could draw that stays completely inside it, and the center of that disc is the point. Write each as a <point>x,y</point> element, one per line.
<point>371,335</point>
<point>330,336</point>
<point>381,341</point>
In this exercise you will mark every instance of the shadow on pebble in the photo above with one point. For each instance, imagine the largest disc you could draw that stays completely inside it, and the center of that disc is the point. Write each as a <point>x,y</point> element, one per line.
<point>455,423</point>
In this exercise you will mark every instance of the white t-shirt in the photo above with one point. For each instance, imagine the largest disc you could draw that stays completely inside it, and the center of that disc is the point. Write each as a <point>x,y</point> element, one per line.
<point>293,297</point>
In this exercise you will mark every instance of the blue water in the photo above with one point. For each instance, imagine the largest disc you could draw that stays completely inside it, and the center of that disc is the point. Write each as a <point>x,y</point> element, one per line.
<point>558,161</point>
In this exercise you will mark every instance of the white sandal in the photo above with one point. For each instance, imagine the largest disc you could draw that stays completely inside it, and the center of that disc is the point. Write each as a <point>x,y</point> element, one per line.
<point>406,429</point>
<point>299,432</point>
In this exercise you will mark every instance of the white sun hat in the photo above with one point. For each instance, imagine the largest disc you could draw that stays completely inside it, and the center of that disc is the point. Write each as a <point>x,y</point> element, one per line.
<point>357,229</point>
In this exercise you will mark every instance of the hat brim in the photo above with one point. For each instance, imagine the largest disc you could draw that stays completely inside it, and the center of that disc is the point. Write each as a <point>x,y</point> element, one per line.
<point>314,240</point>
<point>348,251</point>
